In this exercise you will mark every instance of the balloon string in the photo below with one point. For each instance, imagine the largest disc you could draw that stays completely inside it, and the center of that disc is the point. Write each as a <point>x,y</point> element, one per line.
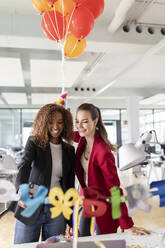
<point>63,58</point>
<point>92,226</point>
<point>67,28</point>
<point>48,29</point>
<point>93,231</point>
<point>62,48</point>
<point>63,19</point>
<point>75,223</point>
<point>53,25</point>
<point>99,243</point>
<point>62,68</point>
<point>55,16</point>
<point>74,47</point>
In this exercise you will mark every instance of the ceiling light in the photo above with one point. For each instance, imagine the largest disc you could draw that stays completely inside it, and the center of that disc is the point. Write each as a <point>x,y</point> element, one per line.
<point>94,66</point>
<point>120,14</point>
<point>153,99</point>
<point>162,30</point>
<point>126,28</point>
<point>161,103</point>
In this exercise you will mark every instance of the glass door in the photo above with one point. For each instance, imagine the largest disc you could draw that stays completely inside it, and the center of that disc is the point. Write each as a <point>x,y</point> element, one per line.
<point>113,128</point>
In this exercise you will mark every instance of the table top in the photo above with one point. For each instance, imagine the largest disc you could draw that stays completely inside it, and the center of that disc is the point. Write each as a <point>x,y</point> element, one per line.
<point>145,241</point>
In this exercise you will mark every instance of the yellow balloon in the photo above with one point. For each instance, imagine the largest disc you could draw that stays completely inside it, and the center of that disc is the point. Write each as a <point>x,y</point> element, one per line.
<point>41,5</point>
<point>74,47</point>
<point>65,7</point>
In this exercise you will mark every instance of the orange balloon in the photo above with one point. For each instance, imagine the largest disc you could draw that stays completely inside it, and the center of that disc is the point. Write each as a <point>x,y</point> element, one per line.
<point>52,1</point>
<point>41,5</point>
<point>74,47</point>
<point>65,7</point>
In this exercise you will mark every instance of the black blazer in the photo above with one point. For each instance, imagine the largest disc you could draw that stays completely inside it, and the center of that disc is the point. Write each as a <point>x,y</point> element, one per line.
<point>36,165</point>
<point>36,168</point>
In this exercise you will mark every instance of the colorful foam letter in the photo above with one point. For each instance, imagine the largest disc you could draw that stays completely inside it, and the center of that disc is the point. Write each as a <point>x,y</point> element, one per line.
<point>62,202</point>
<point>161,191</point>
<point>32,203</point>
<point>99,208</point>
<point>136,194</point>
<point>115,200</point>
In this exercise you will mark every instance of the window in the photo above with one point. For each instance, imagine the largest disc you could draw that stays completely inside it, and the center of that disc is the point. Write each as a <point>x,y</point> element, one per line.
<point>124,126</point>
<point>10,133</point>
<point>28,116</point>
<point>159,124</point>
<point>146,120</point>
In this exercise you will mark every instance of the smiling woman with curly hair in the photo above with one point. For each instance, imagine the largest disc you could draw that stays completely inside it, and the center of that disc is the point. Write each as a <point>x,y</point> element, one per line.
<point>49,160</point>
<point>45,119</point>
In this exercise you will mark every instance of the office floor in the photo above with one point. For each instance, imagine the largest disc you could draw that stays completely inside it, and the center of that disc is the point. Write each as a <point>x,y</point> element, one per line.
<point>152,220</point>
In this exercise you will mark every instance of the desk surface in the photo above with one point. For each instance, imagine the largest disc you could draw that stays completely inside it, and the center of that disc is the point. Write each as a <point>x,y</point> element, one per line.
<point>148,241</point>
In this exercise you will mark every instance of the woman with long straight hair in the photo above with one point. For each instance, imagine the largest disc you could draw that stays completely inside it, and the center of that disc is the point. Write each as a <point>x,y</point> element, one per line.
<point>95,167</point>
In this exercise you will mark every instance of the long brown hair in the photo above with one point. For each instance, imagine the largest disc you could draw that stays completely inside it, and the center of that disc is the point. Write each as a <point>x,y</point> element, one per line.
<point>100,128</point>
<point>44,118</point>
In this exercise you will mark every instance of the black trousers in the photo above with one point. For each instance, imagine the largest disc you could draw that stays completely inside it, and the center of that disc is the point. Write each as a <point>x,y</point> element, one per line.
<point>84,227</point>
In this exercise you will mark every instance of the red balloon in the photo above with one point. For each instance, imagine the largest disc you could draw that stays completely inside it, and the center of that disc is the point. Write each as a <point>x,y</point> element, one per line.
<point>48,35</point>
<point>95,6</point>
<point>82,22</point>
<point>79,1</point>
<point>54,25</point>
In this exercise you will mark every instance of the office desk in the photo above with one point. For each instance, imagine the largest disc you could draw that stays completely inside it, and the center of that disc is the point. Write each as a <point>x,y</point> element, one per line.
<point>146,241</point>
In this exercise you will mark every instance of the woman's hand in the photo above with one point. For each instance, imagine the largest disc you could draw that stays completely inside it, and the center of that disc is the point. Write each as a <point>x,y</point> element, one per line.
<point>20,203</point>
<point>138,231</point>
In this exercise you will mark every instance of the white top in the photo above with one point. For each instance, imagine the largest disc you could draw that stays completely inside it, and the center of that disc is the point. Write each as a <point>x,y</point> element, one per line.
<point>84,164</point>
<point>56,151</point>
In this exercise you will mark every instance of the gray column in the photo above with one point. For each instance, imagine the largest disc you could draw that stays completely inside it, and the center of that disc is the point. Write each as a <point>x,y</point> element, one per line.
<point>133,118</point>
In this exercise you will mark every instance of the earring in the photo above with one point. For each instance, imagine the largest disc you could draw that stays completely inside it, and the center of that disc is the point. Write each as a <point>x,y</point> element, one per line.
<point>97,128</point>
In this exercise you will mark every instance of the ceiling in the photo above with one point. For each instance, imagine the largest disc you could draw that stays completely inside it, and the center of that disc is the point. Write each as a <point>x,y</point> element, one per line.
<point>125,56</point>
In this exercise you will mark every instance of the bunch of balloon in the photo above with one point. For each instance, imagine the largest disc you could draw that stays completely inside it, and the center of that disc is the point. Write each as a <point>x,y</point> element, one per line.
<point>68,22</point>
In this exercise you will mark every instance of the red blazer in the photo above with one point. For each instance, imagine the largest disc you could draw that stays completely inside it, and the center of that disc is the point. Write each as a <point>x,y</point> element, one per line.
<point>102,173</point>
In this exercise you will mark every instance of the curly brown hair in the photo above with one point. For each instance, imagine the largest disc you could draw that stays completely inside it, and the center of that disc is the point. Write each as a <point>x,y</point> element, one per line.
<point>44,118</point>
